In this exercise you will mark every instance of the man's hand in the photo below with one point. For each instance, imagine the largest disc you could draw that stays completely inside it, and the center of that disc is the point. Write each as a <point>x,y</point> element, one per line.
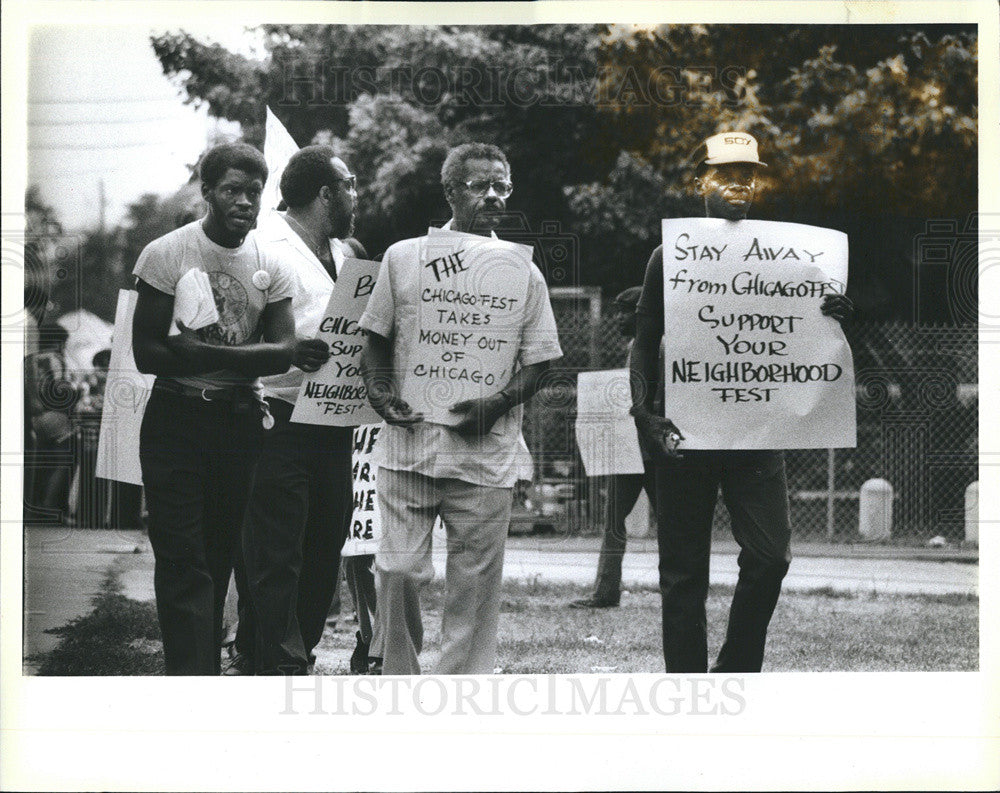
<point>310,354</point>
<point>480,415</point>
<point>840,307</point>
<point>656,433</point>
<point>186,343</point>
<point>394,410</point>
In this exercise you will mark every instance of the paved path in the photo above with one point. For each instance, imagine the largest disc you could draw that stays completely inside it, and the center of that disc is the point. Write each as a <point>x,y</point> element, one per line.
<point>64,569</point>
<point>885,576</point>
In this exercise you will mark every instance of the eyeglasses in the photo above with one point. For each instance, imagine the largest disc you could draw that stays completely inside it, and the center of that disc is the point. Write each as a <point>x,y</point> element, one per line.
<point>501,187</point>
<point>351,181</point>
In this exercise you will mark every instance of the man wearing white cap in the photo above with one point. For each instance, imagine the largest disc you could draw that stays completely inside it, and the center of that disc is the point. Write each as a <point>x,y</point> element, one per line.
<point>687,481</point>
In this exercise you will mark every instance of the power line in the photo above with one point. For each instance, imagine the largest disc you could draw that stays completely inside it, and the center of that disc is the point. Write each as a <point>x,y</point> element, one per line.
<point>89,122</point>
<point>89,147</point>
<point>109,100</point>
<point>50,166</point>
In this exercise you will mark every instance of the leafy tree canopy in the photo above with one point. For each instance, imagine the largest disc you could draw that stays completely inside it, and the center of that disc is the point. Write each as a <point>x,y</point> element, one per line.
<point>855,122</point>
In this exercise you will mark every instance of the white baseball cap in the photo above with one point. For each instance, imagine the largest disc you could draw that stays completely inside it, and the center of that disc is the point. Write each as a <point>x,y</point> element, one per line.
<point>728,147</point>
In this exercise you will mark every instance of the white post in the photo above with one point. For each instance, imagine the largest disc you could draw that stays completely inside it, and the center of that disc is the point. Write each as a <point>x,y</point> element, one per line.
<point>875,511</point>
<point>972,513</point>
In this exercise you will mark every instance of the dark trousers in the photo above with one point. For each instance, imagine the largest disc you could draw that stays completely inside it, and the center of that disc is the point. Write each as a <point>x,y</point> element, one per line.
<point>756,494</point>
<point>197,458</point>
<point>359,572</point>
<point>623,492</point>
<point>295,525</point>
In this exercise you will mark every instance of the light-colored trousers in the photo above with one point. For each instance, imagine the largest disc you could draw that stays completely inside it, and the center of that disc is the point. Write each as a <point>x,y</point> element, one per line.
<point>476,519</point>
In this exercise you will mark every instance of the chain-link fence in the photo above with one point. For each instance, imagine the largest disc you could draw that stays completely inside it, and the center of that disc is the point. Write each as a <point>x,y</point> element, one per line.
<point>917,415</point>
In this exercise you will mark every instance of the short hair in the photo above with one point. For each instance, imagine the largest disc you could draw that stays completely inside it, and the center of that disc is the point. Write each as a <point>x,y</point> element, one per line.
<point>453,169</point>
<point>628,298</point>
<point>307,171</point>
<point>241,156</point>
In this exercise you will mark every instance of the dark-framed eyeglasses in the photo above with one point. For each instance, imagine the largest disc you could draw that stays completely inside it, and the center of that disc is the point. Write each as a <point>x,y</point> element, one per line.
<point>351,181</point>
<point>501,187</point>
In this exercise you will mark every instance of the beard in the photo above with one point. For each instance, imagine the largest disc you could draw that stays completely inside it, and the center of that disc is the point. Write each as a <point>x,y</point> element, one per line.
<point>343,227</point>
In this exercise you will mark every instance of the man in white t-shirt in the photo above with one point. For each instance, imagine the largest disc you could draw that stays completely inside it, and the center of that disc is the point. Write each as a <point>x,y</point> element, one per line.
<point>201,430</point>
<point>301,498</point>
<point>464,473</point>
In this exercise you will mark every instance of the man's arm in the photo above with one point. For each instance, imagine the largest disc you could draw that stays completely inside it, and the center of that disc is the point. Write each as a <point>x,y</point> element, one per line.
<point>643,362</point>
<point>482,414</point>
<point>656,433</point>
<point>185,354</point>
<point>376,369</point>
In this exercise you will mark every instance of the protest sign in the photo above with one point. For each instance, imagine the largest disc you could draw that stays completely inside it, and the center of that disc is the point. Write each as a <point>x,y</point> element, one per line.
<point>605,432</point>
<point>335,394</point>
<point>472,295</point>
<point>125,394</point>
<point>750,361</point>
<point>366,525</point>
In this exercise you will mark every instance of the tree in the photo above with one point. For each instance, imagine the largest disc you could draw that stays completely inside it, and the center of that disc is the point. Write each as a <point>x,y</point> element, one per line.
<point>860,125</point>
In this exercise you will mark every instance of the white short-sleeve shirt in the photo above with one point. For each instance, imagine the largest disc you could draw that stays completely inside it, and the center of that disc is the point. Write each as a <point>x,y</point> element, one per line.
<point>498,458</point>
<point>313,287</point>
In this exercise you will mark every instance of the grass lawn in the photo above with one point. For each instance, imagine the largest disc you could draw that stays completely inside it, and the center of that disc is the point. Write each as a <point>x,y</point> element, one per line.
<point>815,631</point>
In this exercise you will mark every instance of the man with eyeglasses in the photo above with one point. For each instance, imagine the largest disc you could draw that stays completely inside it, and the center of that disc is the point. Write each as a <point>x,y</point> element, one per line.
<point>466,473</point>
<point>301,498</point>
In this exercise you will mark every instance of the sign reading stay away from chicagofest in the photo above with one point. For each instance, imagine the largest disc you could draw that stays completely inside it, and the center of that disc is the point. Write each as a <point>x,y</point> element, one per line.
<point>750,360</point>
<point>335,394</point>
<point>472,296</point>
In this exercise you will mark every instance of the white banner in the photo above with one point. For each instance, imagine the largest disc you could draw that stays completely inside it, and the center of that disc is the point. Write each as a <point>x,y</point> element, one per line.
<point>125,396</point>
<point>335,394</point>
<point>472,295</point>
<point>366,524</point>
<point>605,432</point>
<point>278,150</point>
<point>750,361</point>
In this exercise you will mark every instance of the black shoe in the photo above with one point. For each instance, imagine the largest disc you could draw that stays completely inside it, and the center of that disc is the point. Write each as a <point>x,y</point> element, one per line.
<point>375,667</point>
<point>359,658</point>
<point>593,602</point>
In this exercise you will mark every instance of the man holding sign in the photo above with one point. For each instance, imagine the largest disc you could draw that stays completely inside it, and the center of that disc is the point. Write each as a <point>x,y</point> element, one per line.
<point>301,497</point>
<point>460,330</point>
<point>747,364</point>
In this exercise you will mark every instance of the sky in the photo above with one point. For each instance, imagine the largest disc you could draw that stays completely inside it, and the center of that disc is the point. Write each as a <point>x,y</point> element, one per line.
<point>100,109</point>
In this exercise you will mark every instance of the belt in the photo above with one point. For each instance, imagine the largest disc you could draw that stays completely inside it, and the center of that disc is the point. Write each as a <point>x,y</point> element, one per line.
<point>231,394</point>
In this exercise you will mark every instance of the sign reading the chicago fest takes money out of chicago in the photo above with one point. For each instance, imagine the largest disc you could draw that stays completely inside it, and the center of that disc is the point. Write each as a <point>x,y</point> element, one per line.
<point>750,360</point>
<point>335,393</point>
<point>471,304</point>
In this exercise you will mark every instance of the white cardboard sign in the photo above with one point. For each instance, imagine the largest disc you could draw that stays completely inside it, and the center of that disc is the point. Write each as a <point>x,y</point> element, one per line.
<point>472,295</point>
<point>125,396</point>
<point>605,432</point>
<point>366,524</point>
<point>750,360</point>
<point>335,394</point>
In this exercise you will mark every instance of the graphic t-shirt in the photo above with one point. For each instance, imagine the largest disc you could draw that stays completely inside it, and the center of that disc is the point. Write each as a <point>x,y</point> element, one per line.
<point>240,297</point>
